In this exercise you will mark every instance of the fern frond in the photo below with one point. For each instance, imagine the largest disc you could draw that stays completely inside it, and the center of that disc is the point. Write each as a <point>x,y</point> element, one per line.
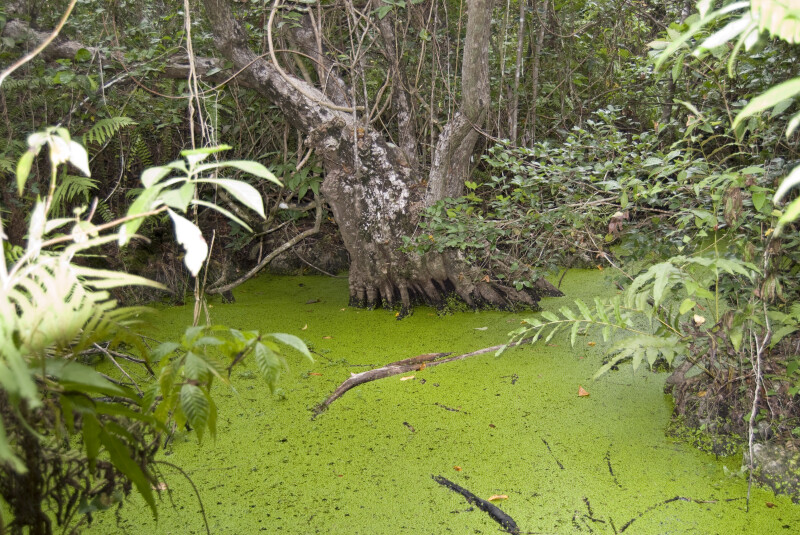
<point>104,211</point>
<point>7,165</point>
<point>27,84</point>
<point>72,188</point>
<point>641,347</point>
<point>141,152</point>
<point>105,129</point>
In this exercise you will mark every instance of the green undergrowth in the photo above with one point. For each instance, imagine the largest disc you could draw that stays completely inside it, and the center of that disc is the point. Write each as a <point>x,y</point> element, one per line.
<point>512,425</point>
<point>702,438</point>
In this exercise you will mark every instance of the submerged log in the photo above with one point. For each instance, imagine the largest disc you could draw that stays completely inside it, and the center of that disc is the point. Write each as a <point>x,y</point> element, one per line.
<point>495,512</point>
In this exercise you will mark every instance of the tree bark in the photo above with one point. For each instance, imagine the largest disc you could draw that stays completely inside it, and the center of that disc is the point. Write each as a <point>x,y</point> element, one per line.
<point>537,54</point>
<point>451,161</point>
<point>514,119</point>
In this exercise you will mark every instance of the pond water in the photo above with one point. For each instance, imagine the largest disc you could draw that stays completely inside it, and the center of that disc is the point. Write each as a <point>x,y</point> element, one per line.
<point>512,425</point>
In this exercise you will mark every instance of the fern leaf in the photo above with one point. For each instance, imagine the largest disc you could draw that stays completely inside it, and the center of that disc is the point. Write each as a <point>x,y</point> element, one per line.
<point>71,189</point>
<point>105,129</point>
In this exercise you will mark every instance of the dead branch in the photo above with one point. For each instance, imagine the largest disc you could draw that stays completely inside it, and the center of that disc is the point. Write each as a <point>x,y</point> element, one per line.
<point>267,259</point>
<point>419,362</point>
<point>497,514</point>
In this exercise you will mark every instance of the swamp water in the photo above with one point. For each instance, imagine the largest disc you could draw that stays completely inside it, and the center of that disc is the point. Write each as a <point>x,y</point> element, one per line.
<point>512,425</point>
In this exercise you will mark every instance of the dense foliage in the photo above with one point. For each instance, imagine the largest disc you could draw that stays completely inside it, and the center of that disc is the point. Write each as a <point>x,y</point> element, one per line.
<point>73,440</point>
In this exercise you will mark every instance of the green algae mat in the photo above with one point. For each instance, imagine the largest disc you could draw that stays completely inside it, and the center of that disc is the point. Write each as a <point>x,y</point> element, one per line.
<point>511,426</point>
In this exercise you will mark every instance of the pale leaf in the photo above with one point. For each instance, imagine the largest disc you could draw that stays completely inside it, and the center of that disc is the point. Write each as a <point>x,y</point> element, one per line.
<point>190,237</point>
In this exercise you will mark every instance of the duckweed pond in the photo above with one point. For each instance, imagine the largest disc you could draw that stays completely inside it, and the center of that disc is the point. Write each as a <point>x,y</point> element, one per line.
<point>512,425</point>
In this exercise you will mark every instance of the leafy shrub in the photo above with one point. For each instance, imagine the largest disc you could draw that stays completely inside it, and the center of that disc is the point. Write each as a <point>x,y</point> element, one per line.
<point>72,440</point>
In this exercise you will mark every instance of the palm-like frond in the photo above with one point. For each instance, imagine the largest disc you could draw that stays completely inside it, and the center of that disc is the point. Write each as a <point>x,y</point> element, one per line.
<point>72,188</point>
<point>105,129</point>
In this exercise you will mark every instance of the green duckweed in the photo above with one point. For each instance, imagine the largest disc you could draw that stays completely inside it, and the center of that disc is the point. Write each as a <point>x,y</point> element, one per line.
<point>510,425</point>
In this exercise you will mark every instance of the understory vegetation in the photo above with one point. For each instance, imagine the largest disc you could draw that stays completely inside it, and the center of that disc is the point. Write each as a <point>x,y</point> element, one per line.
<point>643,140</point>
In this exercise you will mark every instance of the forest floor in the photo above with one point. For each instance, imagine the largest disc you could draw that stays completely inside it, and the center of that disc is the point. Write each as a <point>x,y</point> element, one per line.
<point>512,425</point>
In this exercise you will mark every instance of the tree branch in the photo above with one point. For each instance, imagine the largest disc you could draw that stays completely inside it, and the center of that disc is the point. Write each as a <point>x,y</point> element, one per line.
<point>267,259</point>
<point>419,362</point>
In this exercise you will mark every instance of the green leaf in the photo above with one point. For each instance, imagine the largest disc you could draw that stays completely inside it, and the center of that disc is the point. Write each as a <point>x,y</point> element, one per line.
<point>733,267</point>
<point>196,407</point>
<point>663,274</point>
<point>791,126</point>
<point>759,198</point>
<point>104,279</point>
<point>552,334</point>
<point>195,156</point>
<point>73,375</point>
<point>67,412</point>
<point>601,310</point>
<point>163,350</point>
<point>179,198</point>
<point>686,306</point>
<point>781,333</point>
<point>120,457</point>
<point>79,157</point>
<point>254,168</point>
<point>587,314</point>
<point>736,333</point>
<point>152,175</point>
<point>268,364</point>
<point>242,192</point>
<point>729,32</point>
<point>792,212</point>
<point>166,379</point>
<point>195,367</point>
<point>383,11</point>
<point>294,342</point>
<point>574,333</point>
<point>24,169</point>
<point>781,107</point>
<point>788,183</point>
<point>82,55</point>
<point>768,99</point>
<point>606,333</point>
<point>568,313</point>
<point>549,316</point>
<point>91,437</point>
<point>142,204</point>
<point>677,68</point>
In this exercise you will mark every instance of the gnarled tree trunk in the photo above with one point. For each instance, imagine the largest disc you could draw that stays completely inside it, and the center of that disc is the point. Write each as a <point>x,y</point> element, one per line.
<point>375,192</point>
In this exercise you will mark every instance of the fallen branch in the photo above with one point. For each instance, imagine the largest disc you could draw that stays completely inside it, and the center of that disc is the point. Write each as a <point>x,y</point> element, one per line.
<point>419,362</point>
<point>226,287</point>
<point>495,512</point>
<point>666,502</point>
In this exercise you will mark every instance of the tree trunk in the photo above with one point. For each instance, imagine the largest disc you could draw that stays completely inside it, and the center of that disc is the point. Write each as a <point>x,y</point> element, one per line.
<point>451,161</point>
<point>514,119</point>
<point>375,193</point>
<point>541,16</point>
